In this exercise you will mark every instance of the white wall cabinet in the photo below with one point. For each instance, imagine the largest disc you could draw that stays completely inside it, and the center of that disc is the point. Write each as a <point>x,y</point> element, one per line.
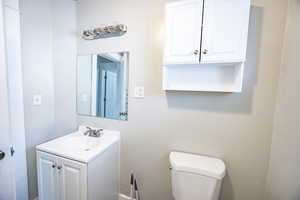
<point>60,178</point>
<point>203,37</point>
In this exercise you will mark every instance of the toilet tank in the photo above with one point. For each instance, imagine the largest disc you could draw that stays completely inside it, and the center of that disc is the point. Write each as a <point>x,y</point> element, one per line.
<point>196,177</point>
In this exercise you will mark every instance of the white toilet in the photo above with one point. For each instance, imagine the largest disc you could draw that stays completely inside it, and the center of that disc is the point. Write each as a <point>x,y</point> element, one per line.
<point>196,177</point>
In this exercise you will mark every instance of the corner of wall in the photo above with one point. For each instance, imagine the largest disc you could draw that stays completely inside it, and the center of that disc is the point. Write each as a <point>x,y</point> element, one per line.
<point>279,79</point>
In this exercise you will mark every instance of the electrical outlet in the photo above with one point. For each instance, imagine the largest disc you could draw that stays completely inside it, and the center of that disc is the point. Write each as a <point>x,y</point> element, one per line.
<point>37,100</point>
<point>84,98</point>
<point>139,92</point>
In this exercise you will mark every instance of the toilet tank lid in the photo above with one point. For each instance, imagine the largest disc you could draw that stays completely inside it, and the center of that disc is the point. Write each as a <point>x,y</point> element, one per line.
<point>203,165</point>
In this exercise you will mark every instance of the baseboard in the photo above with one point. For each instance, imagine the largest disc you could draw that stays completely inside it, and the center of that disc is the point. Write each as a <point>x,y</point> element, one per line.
<point>124,197</point>
<point>121,197</point>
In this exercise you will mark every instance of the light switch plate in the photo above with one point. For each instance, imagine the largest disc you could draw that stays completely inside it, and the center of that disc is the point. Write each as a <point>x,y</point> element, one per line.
<point>37,100</point>
<point>139,92</point>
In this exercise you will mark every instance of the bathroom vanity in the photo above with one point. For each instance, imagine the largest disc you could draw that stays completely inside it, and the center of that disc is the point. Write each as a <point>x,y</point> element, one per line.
<point>79,167</point>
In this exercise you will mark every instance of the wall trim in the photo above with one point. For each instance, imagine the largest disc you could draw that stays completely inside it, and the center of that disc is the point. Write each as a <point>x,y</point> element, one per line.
<point>124,197</point>
<point>121,197</point>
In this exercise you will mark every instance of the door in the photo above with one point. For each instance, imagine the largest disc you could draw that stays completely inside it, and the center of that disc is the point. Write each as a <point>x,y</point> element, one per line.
<point>16,105</point>
<point>73,180</point>
<point>6,170</point>
<point>102,96</point>
<point>47,176</point>
<point>112,108</point>
<point>225,31</point>
<point>183,32</point>
<point>109,94</point>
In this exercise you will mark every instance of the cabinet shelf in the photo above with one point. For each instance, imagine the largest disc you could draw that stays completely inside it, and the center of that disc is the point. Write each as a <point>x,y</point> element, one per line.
<point>205,77</point>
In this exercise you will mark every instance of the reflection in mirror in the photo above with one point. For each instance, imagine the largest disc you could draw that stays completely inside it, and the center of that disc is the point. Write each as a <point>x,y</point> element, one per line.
<point>102,85</point>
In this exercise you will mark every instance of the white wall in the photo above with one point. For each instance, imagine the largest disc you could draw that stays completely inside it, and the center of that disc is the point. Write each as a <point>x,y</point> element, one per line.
<point>49,57</point>
<point>284,174</point>
<point>84,81</point>
<point>64,63</point>
<point>234,127</point>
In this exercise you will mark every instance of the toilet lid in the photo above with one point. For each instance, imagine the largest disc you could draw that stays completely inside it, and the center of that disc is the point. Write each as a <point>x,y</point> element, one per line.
<point>202,165</point>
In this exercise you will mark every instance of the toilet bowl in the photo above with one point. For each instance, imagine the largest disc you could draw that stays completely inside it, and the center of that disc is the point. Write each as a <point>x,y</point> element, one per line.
<point>196,177</point>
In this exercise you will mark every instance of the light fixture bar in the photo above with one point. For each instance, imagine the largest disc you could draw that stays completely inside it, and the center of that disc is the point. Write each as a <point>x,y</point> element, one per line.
<point>104,32</point>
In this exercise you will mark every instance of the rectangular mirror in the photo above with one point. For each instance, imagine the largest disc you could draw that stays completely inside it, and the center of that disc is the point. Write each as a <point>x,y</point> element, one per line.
<point>102,85</point>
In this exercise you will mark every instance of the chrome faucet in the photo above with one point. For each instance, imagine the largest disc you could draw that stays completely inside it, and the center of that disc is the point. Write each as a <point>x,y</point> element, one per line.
<point>93,132</point>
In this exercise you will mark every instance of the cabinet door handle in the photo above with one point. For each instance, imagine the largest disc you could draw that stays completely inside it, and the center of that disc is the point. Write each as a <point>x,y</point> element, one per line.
<point>205,51</point>
<point>196,52</point>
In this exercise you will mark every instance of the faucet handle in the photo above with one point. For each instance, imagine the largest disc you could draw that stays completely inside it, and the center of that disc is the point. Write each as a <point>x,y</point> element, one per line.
<point>87,132</point>
<point>99,132</point>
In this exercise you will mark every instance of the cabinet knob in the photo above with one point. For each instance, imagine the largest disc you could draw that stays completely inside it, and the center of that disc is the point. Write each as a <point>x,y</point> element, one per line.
<point>196,52</point>
<point>2,155</point>
<point>59,167</point>
<point>54,165</point>
<point>205,51</point>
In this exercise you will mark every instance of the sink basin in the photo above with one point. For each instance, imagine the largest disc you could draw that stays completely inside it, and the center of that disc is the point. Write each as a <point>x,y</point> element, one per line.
<point>79,147</point>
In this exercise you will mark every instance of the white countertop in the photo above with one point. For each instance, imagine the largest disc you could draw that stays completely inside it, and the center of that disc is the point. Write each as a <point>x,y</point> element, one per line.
<point>77,146</point>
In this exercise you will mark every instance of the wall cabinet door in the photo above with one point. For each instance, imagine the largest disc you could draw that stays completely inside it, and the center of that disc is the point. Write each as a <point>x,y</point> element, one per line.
<point>47,176</point>
<point>73,180</point>
<point>183,32</point>
<point>225,31</point>
<point>213,31</point>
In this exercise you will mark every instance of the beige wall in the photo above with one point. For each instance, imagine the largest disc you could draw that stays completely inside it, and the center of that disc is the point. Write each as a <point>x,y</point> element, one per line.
<point>234,127</point>
<point>284,173</point>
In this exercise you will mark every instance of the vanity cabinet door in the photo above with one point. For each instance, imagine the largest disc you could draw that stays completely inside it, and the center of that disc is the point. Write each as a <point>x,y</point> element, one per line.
<point>183,32</point>
<point>73,180</point>
<point>225,31</point>
<point>47,176</point>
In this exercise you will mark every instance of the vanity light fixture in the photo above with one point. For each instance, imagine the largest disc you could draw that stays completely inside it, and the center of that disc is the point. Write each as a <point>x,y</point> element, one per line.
<point>104,32</point>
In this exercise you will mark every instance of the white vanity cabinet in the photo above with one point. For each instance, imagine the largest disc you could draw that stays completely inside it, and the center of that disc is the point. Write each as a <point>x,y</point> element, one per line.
<point>79,167</point>
<point>60,178</point>
<point>203,37</point>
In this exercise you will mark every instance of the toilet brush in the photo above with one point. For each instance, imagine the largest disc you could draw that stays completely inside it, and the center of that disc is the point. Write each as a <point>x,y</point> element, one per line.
<point>137,194</point>
<point>131,186</point>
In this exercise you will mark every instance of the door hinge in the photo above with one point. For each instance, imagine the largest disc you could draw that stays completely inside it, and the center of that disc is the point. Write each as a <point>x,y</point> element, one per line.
<point>12,151</point>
